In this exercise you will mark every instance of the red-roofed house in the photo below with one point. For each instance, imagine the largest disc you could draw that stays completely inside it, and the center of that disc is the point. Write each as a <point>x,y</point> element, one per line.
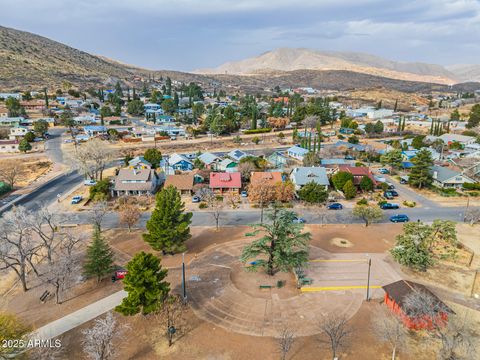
<point>224,182</point>
<point>358,173</point>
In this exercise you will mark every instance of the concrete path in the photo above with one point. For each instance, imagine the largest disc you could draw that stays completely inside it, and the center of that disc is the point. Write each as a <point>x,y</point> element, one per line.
<point>79,317</point>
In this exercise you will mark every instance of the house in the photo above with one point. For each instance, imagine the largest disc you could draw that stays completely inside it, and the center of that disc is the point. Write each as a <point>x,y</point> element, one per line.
<point>94,130</point>
<point>136,180</point>
<point>462,139</point>
<point>271,178</point>
<point>337,161</point>
<point>277,160</point>
<point>297,152</point>
<point>227,165</point>
<point>201,176</point>
<point>18,131</point>
<point>11,121</point>
<point>408,155</point>
<point>210,160</point>
<point>5,96</point>
<point>445,177</point>
<point>34,104</point>
<point>225,182</point>
<point>183,183</point>
<point>303,175</point>
<point>85,119</point>
<point>358,172</point>
<point>7,146</point>
<point>396,295</point>
<point>237,155</point>
<point>345,144</point>
<point>152,106</point>
<point>139,161</point>
<point>179,162</point>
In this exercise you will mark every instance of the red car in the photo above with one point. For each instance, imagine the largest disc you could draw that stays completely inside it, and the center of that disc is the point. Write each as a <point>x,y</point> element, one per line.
<point>119,274</point>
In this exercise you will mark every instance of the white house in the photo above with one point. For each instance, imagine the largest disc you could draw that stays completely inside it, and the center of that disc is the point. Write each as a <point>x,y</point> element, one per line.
<point>301,176</point>
<point>297,152</point>
<point>447,178</point>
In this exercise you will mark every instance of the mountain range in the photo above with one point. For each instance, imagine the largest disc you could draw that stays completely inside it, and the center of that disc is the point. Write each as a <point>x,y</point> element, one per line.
<point>30,61</point>
<point>291,59</point>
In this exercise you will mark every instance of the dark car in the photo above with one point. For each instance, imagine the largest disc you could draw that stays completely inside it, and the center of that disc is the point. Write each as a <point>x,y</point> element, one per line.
<point>335,206</point>
<point>298,220</point>
<point>399,218</point>
<point>196,199</point>
<point>388,206</point>
<point>349,157</point>
<point>388,195</point>
<point>393,192</point>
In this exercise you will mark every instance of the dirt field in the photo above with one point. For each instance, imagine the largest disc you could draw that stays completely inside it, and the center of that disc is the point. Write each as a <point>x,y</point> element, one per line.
<point>29,168</point>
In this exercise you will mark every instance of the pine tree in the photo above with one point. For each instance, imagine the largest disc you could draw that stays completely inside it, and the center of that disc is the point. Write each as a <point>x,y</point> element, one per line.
<point>99,257</point>
<point>145,284</point>
<point>24,146</point>
<point>420,175</point>
<point>168,228</point>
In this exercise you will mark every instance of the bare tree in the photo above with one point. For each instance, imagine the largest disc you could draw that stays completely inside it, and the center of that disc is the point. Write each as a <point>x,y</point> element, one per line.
<point>171,316</point>
<point>91,158</point>
<point>70,242</point>
<point>129,215</point>
<point>45,224</point>
<point>285,342</point>
<point>232,199</point>
<point>99,210</point>
<point>246,169</point>
<point>17,246</point>
<point>215,204</point>
<point>98,340</point>
<point>388,328</point>
<point>454,334</point>
<point>310,121</point>
<point>472,216</point>
<point>11,172</point>
<point>336,332</point>
<point>62,273</point>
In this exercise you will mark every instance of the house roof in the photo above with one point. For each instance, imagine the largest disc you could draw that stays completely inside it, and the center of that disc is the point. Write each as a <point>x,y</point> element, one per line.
<point>298,150</point>
<point>180,182</point>
<point>208,158</point>
<point>448,138</point>
<point>304,175</point>
<point>176,158</point>
<point>348,145</point>
<point>139,160</point>
<point>237,154</point>
<point>339,161</point>
<point>226,162</point>
<point>230,180</point>
<point>444,173</point>
<point>124,179</point>
<point>399,291</point>
<point>272,178</point>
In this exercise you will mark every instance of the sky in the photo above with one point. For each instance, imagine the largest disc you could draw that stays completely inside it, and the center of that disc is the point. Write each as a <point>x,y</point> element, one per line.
<point>190,34</point>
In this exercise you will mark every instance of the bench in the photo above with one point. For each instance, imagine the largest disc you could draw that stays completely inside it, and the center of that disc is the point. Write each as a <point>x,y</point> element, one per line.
<point>306,281</point>
<point>265,286</point>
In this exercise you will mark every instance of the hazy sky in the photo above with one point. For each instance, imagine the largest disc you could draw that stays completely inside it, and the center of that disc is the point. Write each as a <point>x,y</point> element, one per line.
<point>190,34</point>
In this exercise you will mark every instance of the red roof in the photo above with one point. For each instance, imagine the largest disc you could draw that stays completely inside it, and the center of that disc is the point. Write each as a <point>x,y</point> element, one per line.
<point>358,172</point>
<point>225,180</point>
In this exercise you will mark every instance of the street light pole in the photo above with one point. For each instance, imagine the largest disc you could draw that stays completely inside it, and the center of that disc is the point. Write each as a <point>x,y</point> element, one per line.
<point>184,288</point>
<point>368,279</point>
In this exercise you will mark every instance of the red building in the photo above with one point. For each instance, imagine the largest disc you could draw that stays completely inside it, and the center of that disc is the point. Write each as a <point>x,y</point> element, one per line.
<point>358,172</point>
<point>395,296</point>
<point>225,182</point>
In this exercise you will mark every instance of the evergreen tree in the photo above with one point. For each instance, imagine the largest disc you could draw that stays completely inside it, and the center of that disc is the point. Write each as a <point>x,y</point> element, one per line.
<point>349,190</point>
<point>99,257</point>
<point>168,88</point>
<point>366,184</point>
<point>474,117</point>
<point>153,156</point>
<point>168,228</point>
<point>118,89</point>
<point>282,247</point>
<point>392,158</point>
<point>395,106</point>
<point>313,193</point>
<point>145,284</point>
<point>420,175</point>
<point>45,96</point>
<point>24,146</point>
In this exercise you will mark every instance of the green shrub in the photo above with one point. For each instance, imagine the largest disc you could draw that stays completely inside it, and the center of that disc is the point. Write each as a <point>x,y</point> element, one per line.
<point>202,205</point>
<point>382,202</point>
<point>362,201</point>
<point>219,197</point>
<point>257,131</point>
<point>4,188</point>
<point>410,204</point>
<point>475,186</point>
<point>100,190</point>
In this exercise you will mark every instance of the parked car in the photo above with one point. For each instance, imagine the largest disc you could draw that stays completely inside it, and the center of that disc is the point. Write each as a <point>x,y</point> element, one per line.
<point>76,199</point>
<point>404,180</point>
<point>196,199</point>
<point>388,206</point>
<point>298,220</point>
<point>244,194</point>
<point>393,192</point>
<point>119,274</point>
<point>383,171</point>
<point>173,138</point>
<point>89,182</point>
<point>388,195</point>
<point>349,157</point>
<point>399,218</point>
<point>335,206</point>
<point>379,178</point>
<point>390,186</point>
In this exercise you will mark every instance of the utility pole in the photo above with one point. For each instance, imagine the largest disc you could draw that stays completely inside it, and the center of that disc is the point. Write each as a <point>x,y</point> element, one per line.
<point>368,279</point>
<point>184,287</point>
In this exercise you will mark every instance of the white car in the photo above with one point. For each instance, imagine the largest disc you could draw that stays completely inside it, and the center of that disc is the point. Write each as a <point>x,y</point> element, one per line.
<point>89,182</point>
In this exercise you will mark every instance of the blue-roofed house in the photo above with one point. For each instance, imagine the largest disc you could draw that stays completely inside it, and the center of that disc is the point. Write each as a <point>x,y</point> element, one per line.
<point>237,155</point>
<point>210,160</point>
<point>278,160</point>
<point>95,130</point>
<point>301,176</point>
<point>337,161</point>
<point>297,152</point>
<point>179,162</point>
<point>407,155</point>
<point>407,165</point>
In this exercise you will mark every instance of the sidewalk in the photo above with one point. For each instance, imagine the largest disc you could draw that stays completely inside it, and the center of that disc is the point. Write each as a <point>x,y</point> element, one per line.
<point>79,317</point>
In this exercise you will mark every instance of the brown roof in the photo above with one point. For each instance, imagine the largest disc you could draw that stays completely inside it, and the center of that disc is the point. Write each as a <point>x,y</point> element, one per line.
<point>144,176</point>
<point>180,182</point>
<point>399,290</point>
<point>273,177</point>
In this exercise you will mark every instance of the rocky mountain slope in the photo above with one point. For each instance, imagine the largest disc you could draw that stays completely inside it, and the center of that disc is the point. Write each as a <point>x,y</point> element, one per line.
<point>287,59</point>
